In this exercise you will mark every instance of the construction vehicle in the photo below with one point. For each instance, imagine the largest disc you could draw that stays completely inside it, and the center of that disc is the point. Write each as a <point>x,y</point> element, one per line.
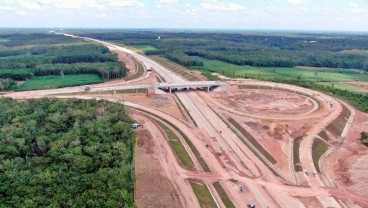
<point>136,125</point>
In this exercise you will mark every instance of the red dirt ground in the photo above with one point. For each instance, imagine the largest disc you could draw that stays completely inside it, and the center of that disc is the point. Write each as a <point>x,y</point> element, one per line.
<point>348,166</point>
<point>127,60</point>
<point>153,189</point>
<point>266,102</point>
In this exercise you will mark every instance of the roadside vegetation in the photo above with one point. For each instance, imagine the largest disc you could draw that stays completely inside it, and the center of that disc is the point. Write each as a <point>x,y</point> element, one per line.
<point>364,138</point>
<point>25,56</point>
<point>253,141</point>
<point>144,48</point>
<point>318,149</point>
<point>190,144</point>
<point>177,146</point>
<point>65,153</point>
<point>324,136</point>
<point>203,194</point>
<point>48,82</point>
<point>224,197</point>
<point>296,157</point>
<point>7,84</point>
<point>337,126</point>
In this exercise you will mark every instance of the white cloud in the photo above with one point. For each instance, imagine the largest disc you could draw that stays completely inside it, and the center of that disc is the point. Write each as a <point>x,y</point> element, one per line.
<point>221,6</point>
<point>167,1</point>
<point>162,3</point>
<point>297,2</point>
<point>125,3</point>
<point>22,13</point>
<point>102,15</point>
<point>30,5</point>
<point>76,4</point>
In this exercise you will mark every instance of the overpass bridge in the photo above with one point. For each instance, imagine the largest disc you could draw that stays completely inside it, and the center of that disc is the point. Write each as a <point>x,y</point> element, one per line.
<point>184,86</point>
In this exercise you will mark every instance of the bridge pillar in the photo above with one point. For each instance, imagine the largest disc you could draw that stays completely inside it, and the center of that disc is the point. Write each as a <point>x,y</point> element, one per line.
<point>170,90</point>
<point>208,88</point>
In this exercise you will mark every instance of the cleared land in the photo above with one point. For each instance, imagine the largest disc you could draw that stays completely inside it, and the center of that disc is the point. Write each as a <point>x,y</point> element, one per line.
<point>154,189</point>
<point>48,82</point>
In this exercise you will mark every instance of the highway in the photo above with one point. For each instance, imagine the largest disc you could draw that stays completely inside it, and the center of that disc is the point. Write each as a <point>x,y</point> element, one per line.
<point>211,124</point>
<point>242,165</point>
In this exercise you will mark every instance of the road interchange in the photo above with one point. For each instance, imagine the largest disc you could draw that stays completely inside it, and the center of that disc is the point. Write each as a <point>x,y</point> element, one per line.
<point>246,168</point>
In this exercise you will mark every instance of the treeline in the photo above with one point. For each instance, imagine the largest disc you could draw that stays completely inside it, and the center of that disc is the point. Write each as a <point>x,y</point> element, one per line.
<point>30,38</point>
<point>263,49</point>
<point>54,50</point>
<point>16,74</point>
<point>7,84</point>
<point>107,70</point>
<point>183,59</point>
<point>65,153</point>
<point>22,60</point>
<point>86,58</point>
<point>242,60</point>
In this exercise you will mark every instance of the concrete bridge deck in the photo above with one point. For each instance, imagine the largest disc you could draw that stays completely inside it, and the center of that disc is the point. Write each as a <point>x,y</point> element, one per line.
<point>206,85</point>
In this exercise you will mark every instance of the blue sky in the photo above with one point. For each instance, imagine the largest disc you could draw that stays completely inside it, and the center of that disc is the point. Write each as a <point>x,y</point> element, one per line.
<point>341,15</point>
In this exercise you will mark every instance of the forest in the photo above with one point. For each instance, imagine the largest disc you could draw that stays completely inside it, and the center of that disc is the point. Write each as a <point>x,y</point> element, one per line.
<point>65,153</point>
<point>254,49</point>
<point>25,55</point>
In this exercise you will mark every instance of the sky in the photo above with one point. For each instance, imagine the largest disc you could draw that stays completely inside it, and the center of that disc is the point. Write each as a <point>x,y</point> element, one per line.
<point>322,15</point>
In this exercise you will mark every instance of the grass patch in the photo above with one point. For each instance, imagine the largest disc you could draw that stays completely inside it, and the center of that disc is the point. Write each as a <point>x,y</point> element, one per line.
<point>4,40</point>
<point>324,136</point>
<point>203,194</point>
<point>49,82</point>
<point>224,197</point>
<point>210,76</point>
<point>253,141</point>
<point>144,48</point>
<point>158,79</point>
<point>254,87</point>
<point>322,75</point>
<point>190,144</point>
<point>177,146</point>
<point>338,125</point>
<point>131,91</point>
<point>296,146</point>
<point>318,149</point>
